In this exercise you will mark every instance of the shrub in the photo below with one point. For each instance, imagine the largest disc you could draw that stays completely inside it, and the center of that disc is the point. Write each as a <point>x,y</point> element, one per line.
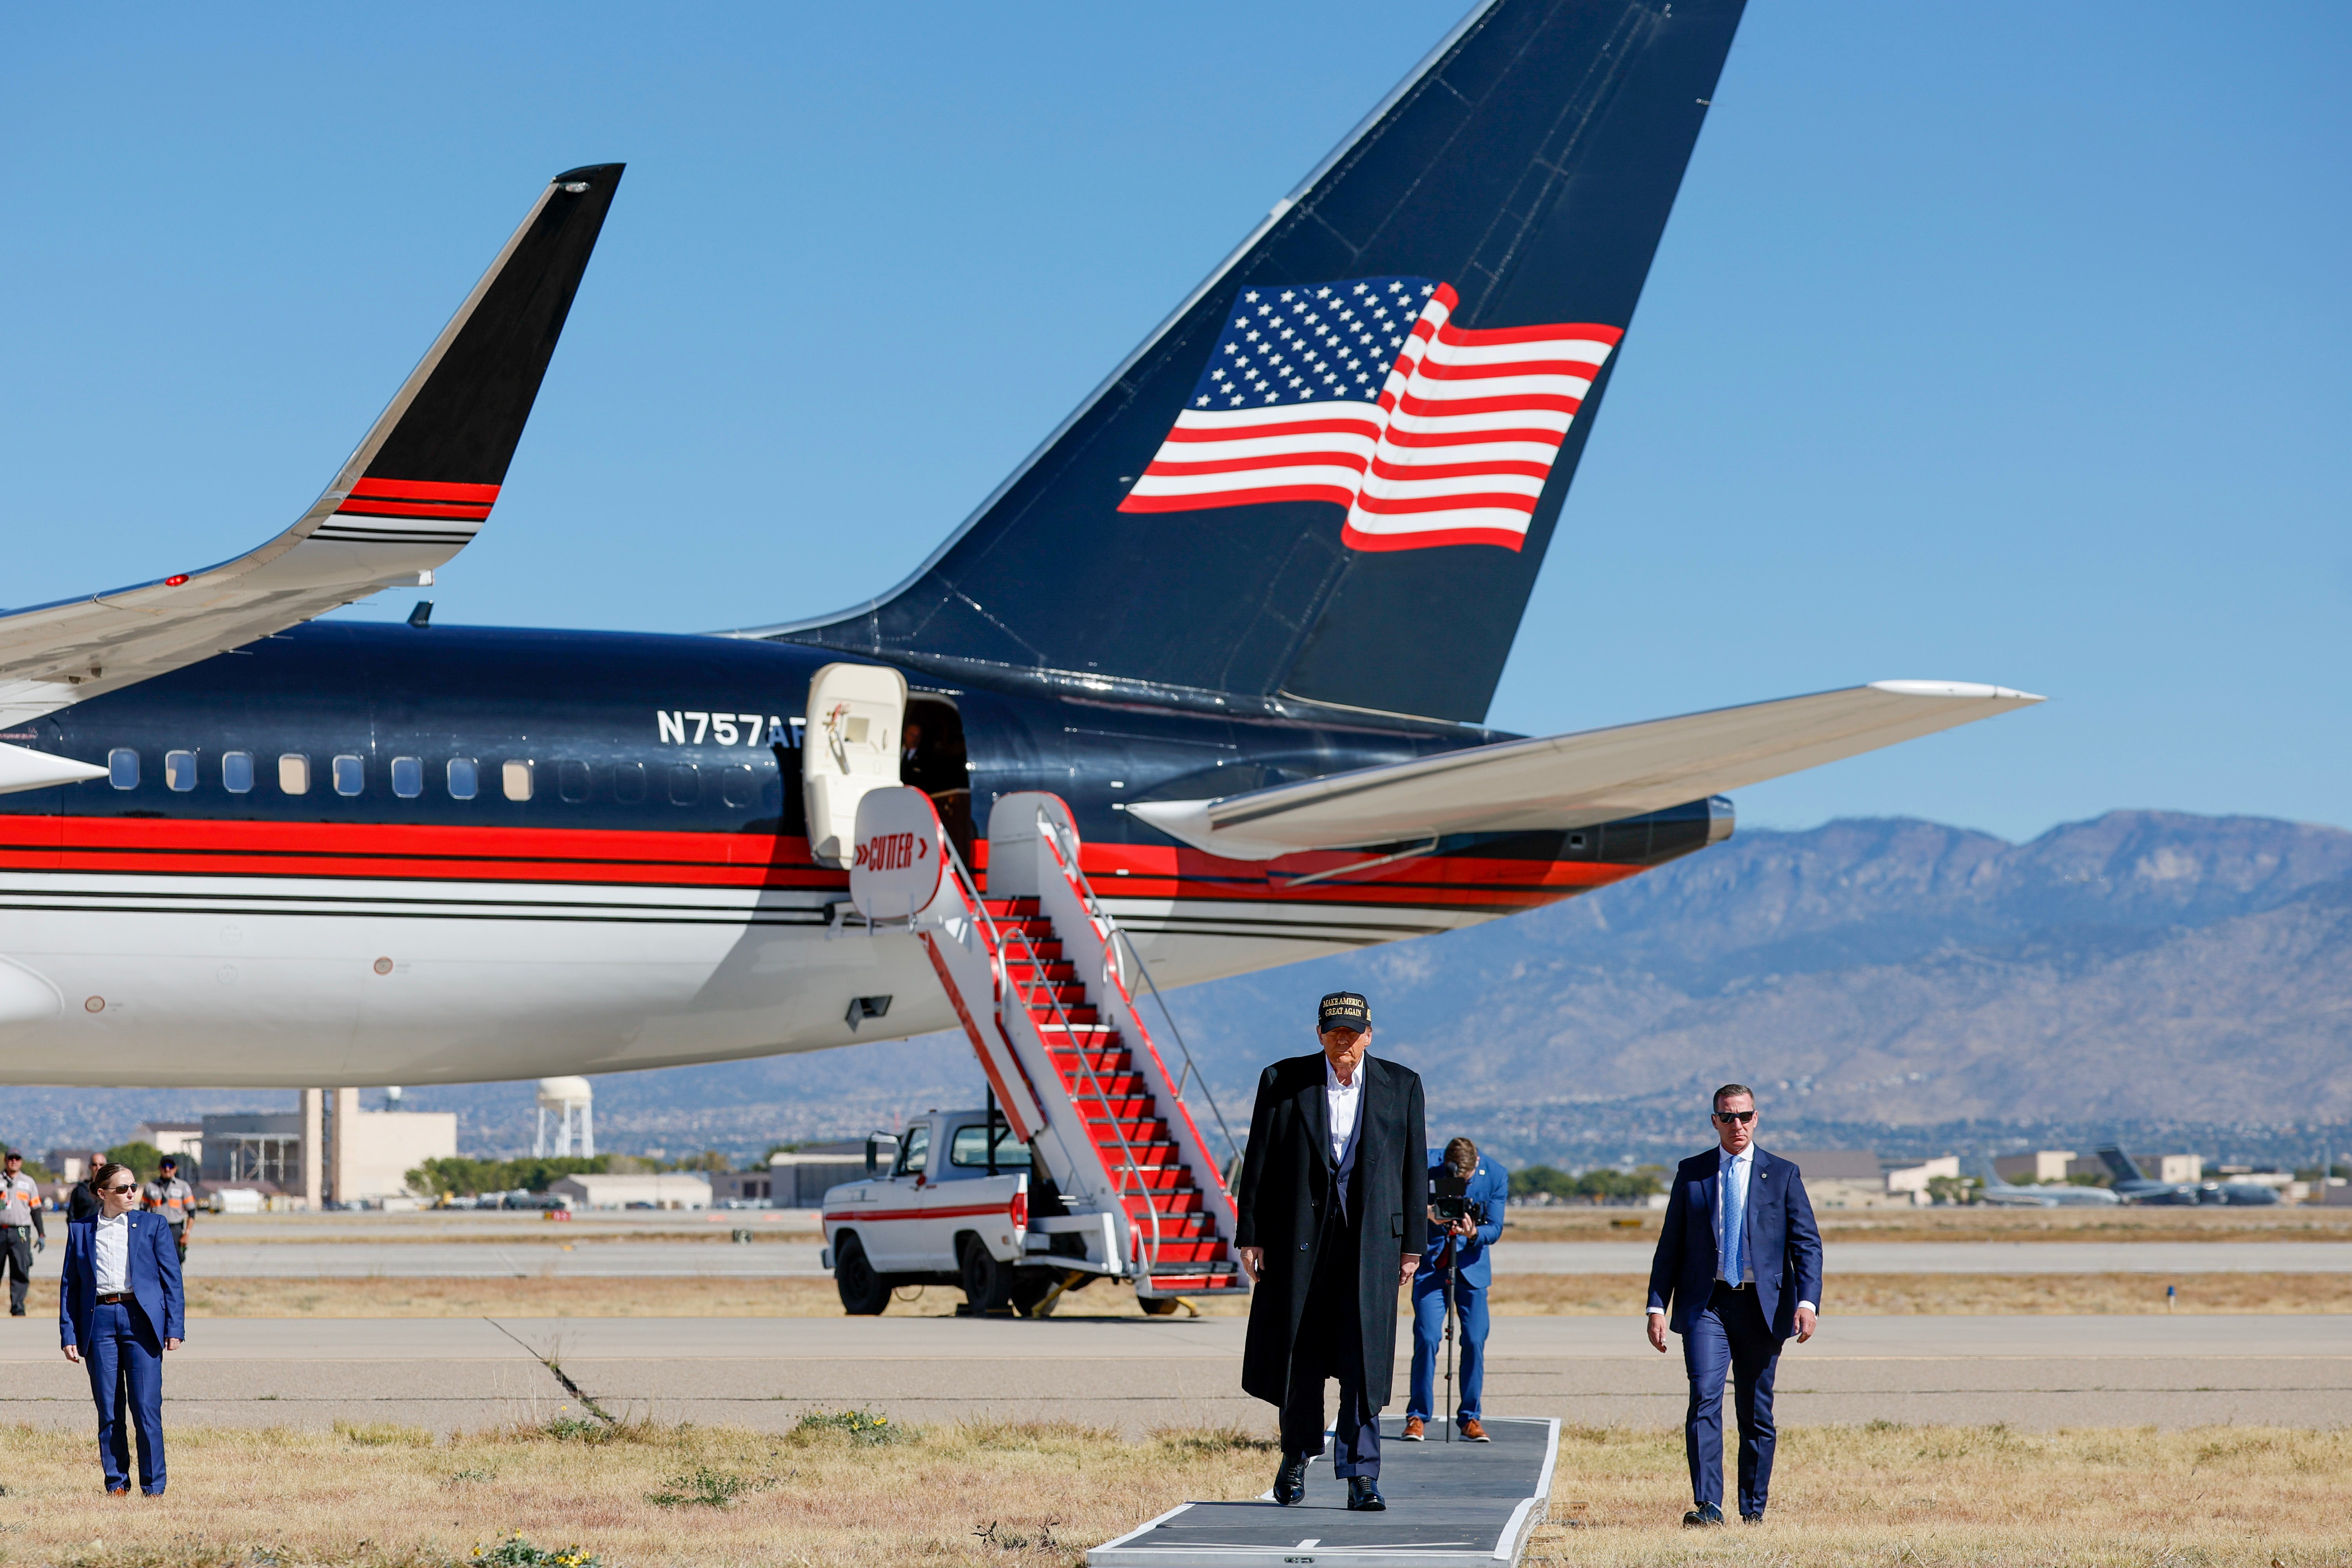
<point>514,1551</point>
<point>865,1427</point>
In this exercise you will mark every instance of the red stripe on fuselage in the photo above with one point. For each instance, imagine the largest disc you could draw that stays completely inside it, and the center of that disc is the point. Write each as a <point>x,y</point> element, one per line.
<point>415,852</point>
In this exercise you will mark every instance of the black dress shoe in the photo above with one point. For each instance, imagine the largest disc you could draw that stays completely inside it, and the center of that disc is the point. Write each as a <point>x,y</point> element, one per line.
<point>1705,1515</point>
<point>1364,1495</point>
<point>1752,1518</point>
<point>1290,1482</point>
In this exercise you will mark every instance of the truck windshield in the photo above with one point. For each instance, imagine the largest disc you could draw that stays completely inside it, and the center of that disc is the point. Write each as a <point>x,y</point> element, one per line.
<point>970,1149</point>
<point>916,1152</point>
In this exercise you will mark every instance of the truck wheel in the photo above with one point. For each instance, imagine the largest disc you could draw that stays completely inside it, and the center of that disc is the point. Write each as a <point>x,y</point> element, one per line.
<point>987,1284</point>
<point>1034,1294</point>
<point>864,1293</point>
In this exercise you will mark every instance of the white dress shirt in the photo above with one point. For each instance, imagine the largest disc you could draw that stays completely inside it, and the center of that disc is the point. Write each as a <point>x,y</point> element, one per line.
<point>1731,1174</point>
<point>1734,1167</point>
<point>1343,1101</point>
<point>109,1254</point>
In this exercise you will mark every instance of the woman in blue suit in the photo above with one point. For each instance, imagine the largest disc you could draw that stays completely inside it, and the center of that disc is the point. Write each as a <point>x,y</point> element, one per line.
<point>120,1308</point>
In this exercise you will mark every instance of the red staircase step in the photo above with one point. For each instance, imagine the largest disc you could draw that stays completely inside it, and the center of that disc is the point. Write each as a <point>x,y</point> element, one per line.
<point>1148,1178</point>
<point>1099,1085</point>
<point>1137,1128</point>
<point>1188,1201</point>
<point>1168,1251</point>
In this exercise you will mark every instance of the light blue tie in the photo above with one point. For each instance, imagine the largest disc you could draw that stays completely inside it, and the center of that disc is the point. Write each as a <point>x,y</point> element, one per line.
<point>1735,1222</point>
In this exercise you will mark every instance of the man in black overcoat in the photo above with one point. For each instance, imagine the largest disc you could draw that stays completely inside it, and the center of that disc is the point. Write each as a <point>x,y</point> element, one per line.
<point>1333,1215</point>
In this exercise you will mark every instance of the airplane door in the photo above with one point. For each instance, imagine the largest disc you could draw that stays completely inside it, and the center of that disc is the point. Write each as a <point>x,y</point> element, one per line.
<point>850,746</point>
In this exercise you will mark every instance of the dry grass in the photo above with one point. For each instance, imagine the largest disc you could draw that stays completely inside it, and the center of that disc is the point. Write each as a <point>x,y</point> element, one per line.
<point>1037,1495</point>
<point>1541,1295</point>
<point>1977,1222</point>
<point>1924,1497</point>
<point>635,1495</point>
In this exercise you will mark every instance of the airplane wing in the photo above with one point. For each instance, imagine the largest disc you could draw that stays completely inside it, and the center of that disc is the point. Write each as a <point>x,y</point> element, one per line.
<point>1575,781</point>
<point>417,489</point>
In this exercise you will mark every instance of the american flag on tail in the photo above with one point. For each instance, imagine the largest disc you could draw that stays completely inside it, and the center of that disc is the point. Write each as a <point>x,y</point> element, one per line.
<point>1364,393</point>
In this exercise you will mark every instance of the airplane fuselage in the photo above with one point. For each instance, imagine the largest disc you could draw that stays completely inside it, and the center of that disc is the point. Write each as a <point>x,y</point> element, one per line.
<point>383,854</point>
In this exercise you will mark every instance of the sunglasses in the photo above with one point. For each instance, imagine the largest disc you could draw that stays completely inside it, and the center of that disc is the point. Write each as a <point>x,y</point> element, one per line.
<point>1735,1116</point>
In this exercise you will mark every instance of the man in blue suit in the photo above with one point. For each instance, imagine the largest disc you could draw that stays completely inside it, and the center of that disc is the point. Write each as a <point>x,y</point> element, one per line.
<point>1737,1271</point>
<point>1467,1275</point>
<point>120,1308</point>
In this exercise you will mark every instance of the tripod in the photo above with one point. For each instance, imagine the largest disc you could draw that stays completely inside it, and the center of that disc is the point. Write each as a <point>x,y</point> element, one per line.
<point>1446,1267</point>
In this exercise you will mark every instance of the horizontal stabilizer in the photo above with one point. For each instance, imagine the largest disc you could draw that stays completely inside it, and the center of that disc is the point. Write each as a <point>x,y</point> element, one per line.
<point>416,490</point>
<point>1575,781</point>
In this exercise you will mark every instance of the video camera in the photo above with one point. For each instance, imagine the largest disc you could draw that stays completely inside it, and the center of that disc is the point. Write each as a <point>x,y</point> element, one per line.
<point>1449,1197</point>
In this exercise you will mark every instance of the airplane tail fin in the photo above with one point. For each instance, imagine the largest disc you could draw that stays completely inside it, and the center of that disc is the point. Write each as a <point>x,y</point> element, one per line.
<point>1331,476</point>
<point>2119,1164</point>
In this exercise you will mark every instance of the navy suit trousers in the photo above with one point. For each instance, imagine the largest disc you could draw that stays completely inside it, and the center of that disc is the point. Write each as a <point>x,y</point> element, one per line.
<point>124,1356</point>
<point>1729,1334</point>
<point>1331,1343</point>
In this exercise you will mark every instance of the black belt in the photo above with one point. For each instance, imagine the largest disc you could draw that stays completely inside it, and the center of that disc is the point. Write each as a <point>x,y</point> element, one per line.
<point>115,1300</point>
<point>1731,1285</point>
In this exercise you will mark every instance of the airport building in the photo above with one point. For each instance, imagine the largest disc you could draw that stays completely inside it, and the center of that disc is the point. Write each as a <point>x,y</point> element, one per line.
<point>1846,1179</point>
<point>185,1139</point>
<point>2048,1165</point>
<point>659,1190</point>
<point>330,1152</point>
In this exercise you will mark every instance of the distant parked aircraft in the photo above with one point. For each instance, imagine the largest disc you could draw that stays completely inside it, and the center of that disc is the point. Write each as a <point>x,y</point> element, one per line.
<point>2133,1187</point>
<point>1995,1190</point>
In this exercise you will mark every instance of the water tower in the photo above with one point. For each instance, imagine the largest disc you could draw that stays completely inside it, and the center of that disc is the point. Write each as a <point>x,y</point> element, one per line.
<point>569,1099</point>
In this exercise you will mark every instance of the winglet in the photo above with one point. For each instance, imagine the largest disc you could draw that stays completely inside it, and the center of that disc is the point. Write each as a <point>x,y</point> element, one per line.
<point>419,487</point>
<point>430,469</point>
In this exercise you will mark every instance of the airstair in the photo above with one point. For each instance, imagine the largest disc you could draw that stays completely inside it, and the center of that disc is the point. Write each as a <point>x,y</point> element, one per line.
<point>1043,982</point>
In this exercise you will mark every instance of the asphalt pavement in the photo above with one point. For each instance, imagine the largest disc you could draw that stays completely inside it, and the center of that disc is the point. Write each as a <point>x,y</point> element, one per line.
<point>1134,1374</point>
<point>703,1256</point>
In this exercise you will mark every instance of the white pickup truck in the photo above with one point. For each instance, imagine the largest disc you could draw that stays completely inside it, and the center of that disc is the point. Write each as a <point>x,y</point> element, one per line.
<point>956,1202</point>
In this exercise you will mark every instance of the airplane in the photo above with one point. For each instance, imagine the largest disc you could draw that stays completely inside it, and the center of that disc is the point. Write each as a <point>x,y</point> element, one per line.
<point>1999,1192</point>
<point>2134,1186</point>
<point>1244,610</point>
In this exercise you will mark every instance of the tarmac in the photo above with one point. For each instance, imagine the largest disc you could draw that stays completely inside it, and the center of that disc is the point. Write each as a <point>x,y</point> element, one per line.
<point>2034,1373</point>
<point>706,1255</point>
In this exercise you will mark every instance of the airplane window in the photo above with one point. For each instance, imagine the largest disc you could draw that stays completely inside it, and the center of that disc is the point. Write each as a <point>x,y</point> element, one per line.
<point>180,771</point>
<point>408,777</point>
<point>516,777</point>
<point>294,774</point>
<point>122,768</point>
<point>351,774</point>
<point>685,783</point>
<point>465,778</point>
<point>571,780</point>
<point>629,783</point>
<point>237,772</point>
<point>738,785</point>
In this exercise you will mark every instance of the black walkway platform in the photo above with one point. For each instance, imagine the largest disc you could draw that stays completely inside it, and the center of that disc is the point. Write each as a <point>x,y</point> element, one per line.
<point>1449,1504</point>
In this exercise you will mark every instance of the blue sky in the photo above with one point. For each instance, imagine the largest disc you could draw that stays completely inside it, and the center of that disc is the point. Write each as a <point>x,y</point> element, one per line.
<point>1996,342</point>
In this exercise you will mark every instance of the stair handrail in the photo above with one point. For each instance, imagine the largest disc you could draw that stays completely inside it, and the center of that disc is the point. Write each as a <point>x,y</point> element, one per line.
<point>1118,932</point>
<point>1069,1033</point>
<point>1000,964</point>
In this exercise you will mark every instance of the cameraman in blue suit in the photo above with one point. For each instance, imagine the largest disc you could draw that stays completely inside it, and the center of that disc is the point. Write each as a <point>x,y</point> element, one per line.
<point>120,1308</point>
<point>1738,1272</point>
<point>1468,1274</point>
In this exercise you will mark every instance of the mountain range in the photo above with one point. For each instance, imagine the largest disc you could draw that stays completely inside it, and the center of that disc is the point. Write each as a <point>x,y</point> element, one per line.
<point>1888,979</point>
